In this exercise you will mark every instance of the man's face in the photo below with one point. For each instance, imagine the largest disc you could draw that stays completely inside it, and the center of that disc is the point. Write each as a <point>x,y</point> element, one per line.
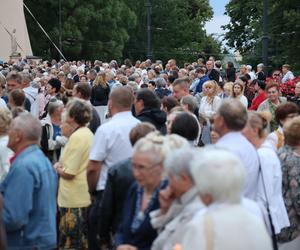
<point>11,85</point>
<point>50,90</point>
<point>179,92</point>
<point>209,65</point>
<point>284,70</point>
<point>297,89</point>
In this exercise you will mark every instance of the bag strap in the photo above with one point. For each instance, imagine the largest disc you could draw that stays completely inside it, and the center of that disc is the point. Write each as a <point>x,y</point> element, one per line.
<point>208,231</point>
<point>274,240</point>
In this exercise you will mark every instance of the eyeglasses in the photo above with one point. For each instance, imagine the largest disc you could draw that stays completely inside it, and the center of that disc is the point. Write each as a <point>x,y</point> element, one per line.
<point>143,168</point>
<point>272,92</point>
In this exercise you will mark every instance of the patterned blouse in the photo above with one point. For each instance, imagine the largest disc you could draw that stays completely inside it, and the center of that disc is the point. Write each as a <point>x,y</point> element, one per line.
<point>290,162</point>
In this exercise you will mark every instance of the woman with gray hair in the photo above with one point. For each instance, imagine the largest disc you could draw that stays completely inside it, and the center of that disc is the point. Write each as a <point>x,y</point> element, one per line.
<point>225,224</point>
<point>73,195</point>
<point>135,230</point>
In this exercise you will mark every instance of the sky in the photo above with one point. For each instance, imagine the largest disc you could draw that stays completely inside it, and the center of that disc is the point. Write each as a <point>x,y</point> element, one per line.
<point>219,19</point>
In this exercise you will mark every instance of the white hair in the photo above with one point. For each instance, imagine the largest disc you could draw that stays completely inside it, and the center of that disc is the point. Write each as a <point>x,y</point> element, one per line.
<point>249,67</point>
<point>179,161</point>
<point>29,125</point>
<point>219,173</point>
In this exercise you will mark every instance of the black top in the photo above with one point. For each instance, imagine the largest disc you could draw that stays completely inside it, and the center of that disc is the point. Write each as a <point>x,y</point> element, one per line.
<point>155,116</point>
<point>100,95</point>
<point>95,121</point>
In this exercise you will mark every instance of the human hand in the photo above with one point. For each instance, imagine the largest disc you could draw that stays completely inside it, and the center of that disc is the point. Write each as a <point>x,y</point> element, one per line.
<point>126,247</point>
<point>166,197</point>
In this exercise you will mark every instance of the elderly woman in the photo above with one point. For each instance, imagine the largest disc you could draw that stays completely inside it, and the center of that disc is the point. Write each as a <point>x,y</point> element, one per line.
<point>73,196</point>
<point>225,224</point>
<point>5,152</point>
<point>283,113</point>
<point>136,231</point>
<point>271,103</point>
<point>289,156</point>
<point>210,102</point>
<point>269,194</point>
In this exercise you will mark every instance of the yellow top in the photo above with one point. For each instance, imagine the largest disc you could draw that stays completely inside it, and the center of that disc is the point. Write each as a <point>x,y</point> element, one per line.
<point>74,159</point>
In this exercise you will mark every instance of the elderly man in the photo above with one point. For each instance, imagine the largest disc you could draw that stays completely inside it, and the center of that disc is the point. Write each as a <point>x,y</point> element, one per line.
<point>226,224</point>
<point>229,121</point>
<point>111,145</point>
<point>29,190</point>
<point>179,202</point>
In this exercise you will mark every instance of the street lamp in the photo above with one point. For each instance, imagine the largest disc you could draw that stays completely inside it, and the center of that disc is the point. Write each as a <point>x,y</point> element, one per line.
<point>149,45</point>
<point>60,29</point>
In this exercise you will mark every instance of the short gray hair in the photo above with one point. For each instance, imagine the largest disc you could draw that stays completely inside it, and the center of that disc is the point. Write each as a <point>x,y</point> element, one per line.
<point>219,173</point>
<point>179,161</point>
<point>54,105</point>
<point>29,125</point>
<point>161,83</point>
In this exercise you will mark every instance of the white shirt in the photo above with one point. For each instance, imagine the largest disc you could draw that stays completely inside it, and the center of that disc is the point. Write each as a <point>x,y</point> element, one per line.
<point>272,138</point>
<point>288,76</point>
<point>5,154</point>
<point>236,143</point>
<point>111,143</point>
<point>2,103</point>
<point>227,227</point>
<point>272,177</point>
<point>243,99</point>
<point>209,109</point>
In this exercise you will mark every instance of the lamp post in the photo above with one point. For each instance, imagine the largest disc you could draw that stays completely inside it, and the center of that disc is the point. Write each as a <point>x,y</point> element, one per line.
<point>60,29</point>
<point>265,37</point>
<point>149,42</point>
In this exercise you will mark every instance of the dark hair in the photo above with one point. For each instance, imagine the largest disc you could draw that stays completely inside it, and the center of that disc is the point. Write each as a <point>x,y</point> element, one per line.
<point>84,89</point>
<point>15,76</point>
<point>144,85</point>
<point>139,131</point>
<point>173,75</point>
<point>230,65</point>
<point>185,125</point>
<point>55,83</point>
<point>149,98</point>
<point>152,83</point>
<point>18,97</point>
<point>260,83</point>
<point>284,109</point>
<point>169,102</point>
<point>234,114</point>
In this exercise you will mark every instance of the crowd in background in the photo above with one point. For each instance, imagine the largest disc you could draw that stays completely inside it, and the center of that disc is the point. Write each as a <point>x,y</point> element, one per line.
<point>149,156</point>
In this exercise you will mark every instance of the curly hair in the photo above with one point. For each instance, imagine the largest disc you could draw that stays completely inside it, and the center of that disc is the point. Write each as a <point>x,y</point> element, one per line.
<point>5,120</point>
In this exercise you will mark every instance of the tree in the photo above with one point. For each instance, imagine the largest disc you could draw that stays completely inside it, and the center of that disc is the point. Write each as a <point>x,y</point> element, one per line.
<point>95,29</point>
<point>177,30</point>
<point>244,32</point>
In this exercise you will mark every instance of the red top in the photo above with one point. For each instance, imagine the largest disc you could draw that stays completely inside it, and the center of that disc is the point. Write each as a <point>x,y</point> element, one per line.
<point>258,100</point>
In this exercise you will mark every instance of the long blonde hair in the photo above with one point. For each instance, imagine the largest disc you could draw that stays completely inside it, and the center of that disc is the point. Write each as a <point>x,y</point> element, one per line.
<point>214,85</point>
<point>100,80</point>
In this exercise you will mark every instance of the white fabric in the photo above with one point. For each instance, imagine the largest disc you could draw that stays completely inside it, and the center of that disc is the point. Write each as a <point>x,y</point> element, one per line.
<point>236,143</point>
<point>32,94</point>
<point>102,111</point>
<point>5,154</point>
<point>172,223</point>
<point>207,109</point>
<point>272,138</point>
<point>232,228</point>
<point>243,100</point>
<point>288,76</point>
<point>2,103</point>
<point>252,207</point>
<point>111,143</point>
<point>272,174</point>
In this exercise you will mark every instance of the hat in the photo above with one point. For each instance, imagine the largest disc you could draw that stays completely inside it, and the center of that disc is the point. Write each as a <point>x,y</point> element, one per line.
<point>55,83</point>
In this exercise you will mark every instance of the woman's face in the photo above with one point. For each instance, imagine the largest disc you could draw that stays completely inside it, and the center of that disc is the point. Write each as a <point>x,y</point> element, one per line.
<point>273,94</point>
<point>208,90</point>
<point>146,170</point>
<point>237,89</point>
<point>297,90</point>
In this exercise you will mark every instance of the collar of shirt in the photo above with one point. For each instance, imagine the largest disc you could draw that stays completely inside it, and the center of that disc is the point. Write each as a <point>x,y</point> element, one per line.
<point>16,154</point>
<point>121,115</point>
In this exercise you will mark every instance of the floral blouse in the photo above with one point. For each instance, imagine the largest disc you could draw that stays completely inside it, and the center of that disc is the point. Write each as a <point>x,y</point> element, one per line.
<point>290,162</point>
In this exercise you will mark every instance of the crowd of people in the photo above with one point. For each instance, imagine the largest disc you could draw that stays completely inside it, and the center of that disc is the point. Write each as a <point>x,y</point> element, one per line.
<point>148,156</point>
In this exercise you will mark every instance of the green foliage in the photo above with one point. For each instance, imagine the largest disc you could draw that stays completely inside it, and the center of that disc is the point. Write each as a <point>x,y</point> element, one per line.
<point>99,29</point>
<point>244,32</point>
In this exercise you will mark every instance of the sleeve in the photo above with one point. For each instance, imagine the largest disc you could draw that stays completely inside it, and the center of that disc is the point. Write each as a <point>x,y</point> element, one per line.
<point>18,198</point>
<point>100,145</point>
<point>72,156</point>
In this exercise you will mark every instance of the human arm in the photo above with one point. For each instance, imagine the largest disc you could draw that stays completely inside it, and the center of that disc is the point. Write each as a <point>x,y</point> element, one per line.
<point>61,172</point>
<point>93,173</point>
